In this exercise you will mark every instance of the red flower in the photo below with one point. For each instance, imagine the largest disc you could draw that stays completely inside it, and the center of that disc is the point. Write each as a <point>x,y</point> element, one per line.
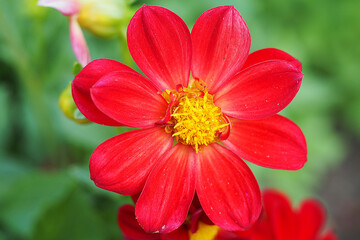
<point>231,98</point>
<point>196,226</point>
<point>279,221</point>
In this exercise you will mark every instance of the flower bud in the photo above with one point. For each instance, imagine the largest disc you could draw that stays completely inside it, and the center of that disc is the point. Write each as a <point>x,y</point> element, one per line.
<point>104,18</point>
<point>68,107</point>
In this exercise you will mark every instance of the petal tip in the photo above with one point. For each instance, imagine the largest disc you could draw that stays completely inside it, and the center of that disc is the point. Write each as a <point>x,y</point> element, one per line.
<point>300,165</point>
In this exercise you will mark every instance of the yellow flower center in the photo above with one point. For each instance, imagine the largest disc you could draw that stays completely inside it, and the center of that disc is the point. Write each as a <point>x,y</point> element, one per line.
<point>195,119</point>
<point>205,232</point>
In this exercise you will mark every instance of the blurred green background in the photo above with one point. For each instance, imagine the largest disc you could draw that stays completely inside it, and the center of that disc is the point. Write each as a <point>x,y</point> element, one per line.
<point>45,189</point>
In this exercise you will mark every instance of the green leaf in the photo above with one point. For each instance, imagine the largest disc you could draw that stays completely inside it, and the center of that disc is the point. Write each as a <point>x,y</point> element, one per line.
<point>4,116</point>
<point>120,130</point>
<point>2,236</point>
<point>73,218</point>
<point>29,197</point>
<point>10,171</point>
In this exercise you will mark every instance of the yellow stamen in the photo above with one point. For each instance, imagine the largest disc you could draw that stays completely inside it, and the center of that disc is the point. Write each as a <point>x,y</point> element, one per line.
<point>204,232</point>
<point>195,119</point>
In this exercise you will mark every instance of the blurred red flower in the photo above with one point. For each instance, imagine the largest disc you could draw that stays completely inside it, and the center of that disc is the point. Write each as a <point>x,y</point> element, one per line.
<point>279,221</point>
<point>231,98</point>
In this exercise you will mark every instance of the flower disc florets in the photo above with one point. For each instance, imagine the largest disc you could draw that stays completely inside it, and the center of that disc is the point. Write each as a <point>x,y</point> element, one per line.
<point>195,119</point>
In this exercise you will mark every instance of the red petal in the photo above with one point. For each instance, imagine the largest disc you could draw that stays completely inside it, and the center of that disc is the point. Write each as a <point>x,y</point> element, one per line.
<point>129,98</point>
<point>179,234</point>
<point>239,235</point>
<point>86,78</point>
<point>78,42</point>
<point>227,189</point>
<point>164,203</point>
<point>259,91</point>
<point>195,218</point>
<point>280,215</point>
<point>122,163</point>
<point>221,44</point>
<point>135,197</point>
<point>130,226</point>
<point>311,219</point>
<point>160,43</point>
<point>274,142</point>
<point>267,54</point>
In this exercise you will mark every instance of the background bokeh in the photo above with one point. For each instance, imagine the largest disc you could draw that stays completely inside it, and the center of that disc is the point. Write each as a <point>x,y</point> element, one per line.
<point>45,189</point>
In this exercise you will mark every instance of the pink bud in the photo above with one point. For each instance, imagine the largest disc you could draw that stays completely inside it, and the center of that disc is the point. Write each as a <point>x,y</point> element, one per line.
<point>78,42</point>
<point>66,7</point>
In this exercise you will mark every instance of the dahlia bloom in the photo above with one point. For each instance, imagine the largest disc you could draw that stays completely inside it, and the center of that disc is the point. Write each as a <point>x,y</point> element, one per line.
<point>193,129</point>
<point>279,221</point>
